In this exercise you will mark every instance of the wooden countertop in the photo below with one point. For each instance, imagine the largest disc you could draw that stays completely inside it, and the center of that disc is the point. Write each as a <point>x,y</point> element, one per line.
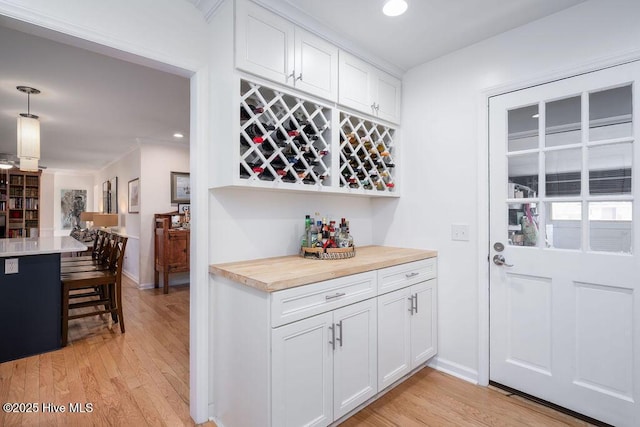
<point>274,274</point>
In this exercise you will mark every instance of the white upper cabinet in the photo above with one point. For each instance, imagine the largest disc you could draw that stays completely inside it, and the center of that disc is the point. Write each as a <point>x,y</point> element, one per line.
<point>264,42</point>
<point>365,88</point>
<point>274,48</point>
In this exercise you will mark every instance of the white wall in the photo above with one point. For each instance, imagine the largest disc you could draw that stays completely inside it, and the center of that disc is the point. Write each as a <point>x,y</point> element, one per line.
<point>444,137</point>
<point>52,184</point>
<point>157,163</point>
<point>125,169</point>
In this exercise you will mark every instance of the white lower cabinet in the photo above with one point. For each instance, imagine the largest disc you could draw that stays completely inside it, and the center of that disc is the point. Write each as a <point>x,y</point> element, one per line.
<point>324,366</point>
<point>407,330</point>
<point>310,355</point>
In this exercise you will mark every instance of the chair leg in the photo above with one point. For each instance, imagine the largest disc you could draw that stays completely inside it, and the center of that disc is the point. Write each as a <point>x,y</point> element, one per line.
<point>118,292</point>
<point>65,314</point>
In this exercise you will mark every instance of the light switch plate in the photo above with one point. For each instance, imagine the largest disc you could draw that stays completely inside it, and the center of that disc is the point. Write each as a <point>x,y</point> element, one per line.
<point>460,232</point>
<point>11,265</point>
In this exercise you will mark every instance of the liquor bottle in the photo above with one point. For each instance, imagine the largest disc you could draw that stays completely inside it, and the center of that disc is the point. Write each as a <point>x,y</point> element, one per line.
<point>265,174</point>
<point>312,233</point>
<point>304,240</point>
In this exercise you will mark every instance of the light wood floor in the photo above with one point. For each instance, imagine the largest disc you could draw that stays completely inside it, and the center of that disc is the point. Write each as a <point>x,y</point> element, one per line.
<point>432,398</point>
<point>142,378</point>
<point>137,378</point>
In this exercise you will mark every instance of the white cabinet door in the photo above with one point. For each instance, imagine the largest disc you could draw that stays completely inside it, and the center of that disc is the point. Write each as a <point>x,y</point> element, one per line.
<point>386,91</point>
<point>355,83</point>
<point>264,42</point>
<point>424,326</point>
<point>316,65</point>
<point>355,357</point>
<point>302,373</point>
<point>394,337</point>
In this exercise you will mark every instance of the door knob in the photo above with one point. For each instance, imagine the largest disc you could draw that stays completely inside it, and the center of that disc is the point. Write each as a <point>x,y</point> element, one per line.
<point>498,259</point>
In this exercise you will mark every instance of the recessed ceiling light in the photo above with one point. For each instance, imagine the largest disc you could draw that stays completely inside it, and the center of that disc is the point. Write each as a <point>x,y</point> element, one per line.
<point>178,135</point>
<point>394,7</point>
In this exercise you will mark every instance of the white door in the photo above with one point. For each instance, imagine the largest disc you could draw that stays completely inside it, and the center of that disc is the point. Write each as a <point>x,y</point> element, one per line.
<point>565,303</point>
<point>302,373</point>
<point>424,325</point>
<point>355,362</point>
<point>394,336</point>
<point>316,65</point>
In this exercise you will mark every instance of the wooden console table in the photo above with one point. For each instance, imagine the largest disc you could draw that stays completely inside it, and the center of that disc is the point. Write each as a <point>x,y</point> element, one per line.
<point>171,249</point>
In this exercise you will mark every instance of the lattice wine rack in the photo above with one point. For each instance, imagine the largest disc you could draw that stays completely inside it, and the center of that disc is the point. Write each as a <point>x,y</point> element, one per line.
<point>283,138</point>
<point>366,154</point>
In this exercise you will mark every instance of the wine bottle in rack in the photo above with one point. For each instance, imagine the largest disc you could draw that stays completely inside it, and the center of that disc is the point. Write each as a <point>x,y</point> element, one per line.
<point>245,115</point>
<point>256,134</point>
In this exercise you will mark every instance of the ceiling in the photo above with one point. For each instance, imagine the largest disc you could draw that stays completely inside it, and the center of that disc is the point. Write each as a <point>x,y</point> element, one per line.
<point>429,28</point>
<point>94,108</point>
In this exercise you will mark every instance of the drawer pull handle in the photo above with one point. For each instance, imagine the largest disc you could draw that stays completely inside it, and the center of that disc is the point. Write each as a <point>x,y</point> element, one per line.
<point>410,275</point>
<point>337,295</point>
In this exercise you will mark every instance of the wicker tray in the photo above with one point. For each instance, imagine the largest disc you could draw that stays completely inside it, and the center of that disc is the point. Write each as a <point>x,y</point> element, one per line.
<point>328,253</point>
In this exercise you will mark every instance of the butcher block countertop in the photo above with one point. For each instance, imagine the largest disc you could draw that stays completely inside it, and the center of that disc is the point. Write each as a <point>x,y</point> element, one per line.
<point>275,274</point>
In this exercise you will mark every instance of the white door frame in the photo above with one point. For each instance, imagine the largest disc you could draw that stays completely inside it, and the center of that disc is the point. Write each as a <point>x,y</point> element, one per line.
<point>199,101</point>
<point>483,247</point>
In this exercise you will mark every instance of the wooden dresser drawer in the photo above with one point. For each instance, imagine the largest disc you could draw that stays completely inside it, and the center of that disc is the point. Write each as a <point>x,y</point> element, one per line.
<point>300,302</point>
<point>402,275</point>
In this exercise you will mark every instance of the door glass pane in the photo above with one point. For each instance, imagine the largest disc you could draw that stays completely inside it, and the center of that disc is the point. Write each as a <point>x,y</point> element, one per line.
<point>563,125</point>
<point>563,172</point>
<point>523,224</point>
<point>610,114</point>
<point>610,226</point>
<point>563,225</point>
<point>523,176</point>
<point>523,128</point>
<point>610,169</point>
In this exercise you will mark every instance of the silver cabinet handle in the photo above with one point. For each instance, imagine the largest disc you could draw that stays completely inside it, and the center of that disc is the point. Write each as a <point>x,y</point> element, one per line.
<point>292,75</point>
<point>416,297</point>
<point>410,275</point>
<point>333,337</point>
<point>299,77</point>
<point>336,295</point>
<point>411,301</point>
<point>340,327</point>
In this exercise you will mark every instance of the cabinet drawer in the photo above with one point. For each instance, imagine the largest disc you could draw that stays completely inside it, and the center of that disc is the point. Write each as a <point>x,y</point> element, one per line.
<point>400,276</point>
<point>298,303</point>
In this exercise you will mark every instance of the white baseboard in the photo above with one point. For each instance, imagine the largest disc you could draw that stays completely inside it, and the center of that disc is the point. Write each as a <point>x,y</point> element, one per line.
<point>131,276</point>
<point>151,285</point>
<point>455,369</point>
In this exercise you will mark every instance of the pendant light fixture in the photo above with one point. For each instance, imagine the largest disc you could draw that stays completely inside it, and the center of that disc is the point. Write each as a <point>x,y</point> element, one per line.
<point>394,7</point>
<point>28,134</point>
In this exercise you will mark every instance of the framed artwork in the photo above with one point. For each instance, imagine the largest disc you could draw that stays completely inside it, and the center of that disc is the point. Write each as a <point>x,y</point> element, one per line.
<point>72,204</point>
<point>180,187</point>
<point>134,196</point>
<point>110,195</point>
<point>183,207</point>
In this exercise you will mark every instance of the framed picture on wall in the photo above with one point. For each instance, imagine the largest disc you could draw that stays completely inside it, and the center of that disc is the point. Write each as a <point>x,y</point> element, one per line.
<point>183,207</point>
<point>134,196</point>
<point>180,187</point>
